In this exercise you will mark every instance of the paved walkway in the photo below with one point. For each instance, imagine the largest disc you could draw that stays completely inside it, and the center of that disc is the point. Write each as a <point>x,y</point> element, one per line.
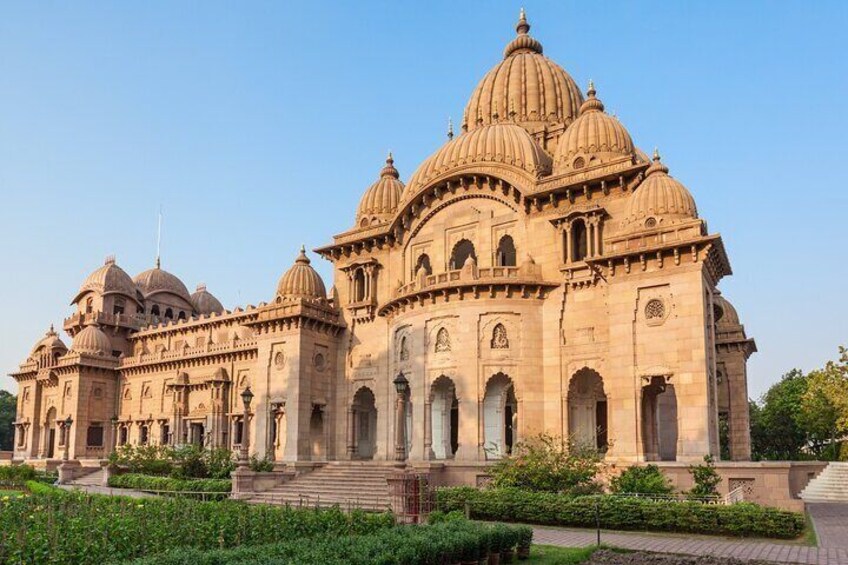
<point>741,549</point>
<point>831,523</point>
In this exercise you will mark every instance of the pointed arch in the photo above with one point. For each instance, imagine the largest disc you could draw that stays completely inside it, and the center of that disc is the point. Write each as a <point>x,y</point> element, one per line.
<point>444,406</point>
<point>443,341</point>
<point>500,338</point>
<point>500,416</point>
<point>462,250</point>
<point>506,253</point>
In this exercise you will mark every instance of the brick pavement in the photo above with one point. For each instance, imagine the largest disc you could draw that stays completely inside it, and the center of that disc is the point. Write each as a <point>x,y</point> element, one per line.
<point>831,523</point>
<point>740,549</point>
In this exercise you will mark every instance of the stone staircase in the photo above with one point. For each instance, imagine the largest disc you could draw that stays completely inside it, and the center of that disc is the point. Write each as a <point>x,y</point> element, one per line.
<point>830,486</point>
<point>89,476</point>
<point>349,485</point>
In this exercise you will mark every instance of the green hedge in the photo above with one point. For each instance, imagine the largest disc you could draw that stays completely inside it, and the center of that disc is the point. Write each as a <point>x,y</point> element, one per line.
<point>622,513</point>
<point>150,483</point>
<point>447,542</point>
<point>60,527</point>
<point>18,475</point>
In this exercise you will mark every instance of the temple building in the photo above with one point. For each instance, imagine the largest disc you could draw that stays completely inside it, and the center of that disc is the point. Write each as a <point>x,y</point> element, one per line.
<point>537,273</point>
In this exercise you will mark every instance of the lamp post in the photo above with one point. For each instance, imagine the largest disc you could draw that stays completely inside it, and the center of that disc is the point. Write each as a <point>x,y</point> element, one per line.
<point>402,387</point>
<point>68,423</point>
<point>244,452</point>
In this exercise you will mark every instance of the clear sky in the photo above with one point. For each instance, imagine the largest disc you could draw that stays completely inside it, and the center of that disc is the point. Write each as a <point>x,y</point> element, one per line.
<point>257,126</point>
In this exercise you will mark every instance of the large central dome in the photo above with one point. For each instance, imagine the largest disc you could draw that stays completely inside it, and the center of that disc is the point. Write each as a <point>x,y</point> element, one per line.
<point>526,86</point>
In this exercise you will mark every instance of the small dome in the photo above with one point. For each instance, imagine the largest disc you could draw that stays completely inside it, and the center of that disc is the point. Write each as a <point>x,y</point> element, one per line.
<point>93,341</point>
<point>594,138</point>
<point>156,281</point>
<point>51,340</point>
<point>659,198</point>
<point>526,86</point>
<point>381,199</point>
<point>301,281</point>
<point>108,279</point>
<point>724,313</point>
<point>504,143</point>
<point>204,302</point>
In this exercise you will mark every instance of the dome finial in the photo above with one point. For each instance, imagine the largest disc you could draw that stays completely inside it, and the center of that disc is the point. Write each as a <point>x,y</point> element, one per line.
<point>389,170</point>
<point>158,262</point>
<point>522,27</point>
<point>656,155</point>
<point>657,166</point>
<point>450,128</point>
<point>591,90</point>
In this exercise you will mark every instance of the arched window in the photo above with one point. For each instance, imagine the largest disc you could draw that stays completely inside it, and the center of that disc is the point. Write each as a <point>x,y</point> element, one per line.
<point>500,340</point>
<point>579,241</point>
<point>423,261</point>
<point>404,349</point>
<point>443,342</point>
<point>181,316</point>
<point>119,306</point>
<point>169,314</point>
<point>89,305</point>
<point>359,285</point>
<point>461,252</point>
<point>155,310</point>
<point>506,252</point>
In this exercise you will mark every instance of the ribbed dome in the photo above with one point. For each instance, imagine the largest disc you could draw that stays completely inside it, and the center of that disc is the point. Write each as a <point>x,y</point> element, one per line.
<point>155,281</point>
<point>301,281</point>
<point>93,341</point>
<point>381,199</point>
<point>51,340</point>
<point>526,86</point>
<point>108,279</point>
<point>204,302</point>
<point>659,197</point>
<point>504,143</point>
<point>724,312</point>
<point>594,138</point>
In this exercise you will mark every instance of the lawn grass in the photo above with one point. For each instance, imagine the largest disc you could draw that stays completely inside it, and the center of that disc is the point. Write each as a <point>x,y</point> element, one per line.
<point>551,555</point>
<point>810,537</point>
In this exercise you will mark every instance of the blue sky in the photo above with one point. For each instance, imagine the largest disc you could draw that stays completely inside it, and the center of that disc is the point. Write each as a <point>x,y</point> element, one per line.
<point>257,126</point>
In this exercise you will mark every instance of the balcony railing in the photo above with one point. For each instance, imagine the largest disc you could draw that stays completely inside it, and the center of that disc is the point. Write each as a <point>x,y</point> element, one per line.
<point>528,272</point>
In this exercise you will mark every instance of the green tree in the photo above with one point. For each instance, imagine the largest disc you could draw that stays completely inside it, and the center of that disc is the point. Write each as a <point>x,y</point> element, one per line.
<point>706,479</point>
<point>8,410</point>
<point>824,406</point>
<point>776,431</point>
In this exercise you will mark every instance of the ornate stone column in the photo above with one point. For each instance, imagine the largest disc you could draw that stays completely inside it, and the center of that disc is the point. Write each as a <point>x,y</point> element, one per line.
<point>428,428</point>
<point>351,432</point>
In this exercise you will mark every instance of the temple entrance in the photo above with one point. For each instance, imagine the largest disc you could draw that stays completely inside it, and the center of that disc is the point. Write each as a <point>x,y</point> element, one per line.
<point>50,427</point>
<point>197,433</point>
<point>365,424</point>
<point>316,433</point>
<point>659,420</point>
<point>587,411</point>
<point>500,417</point>
<point>445,418</point>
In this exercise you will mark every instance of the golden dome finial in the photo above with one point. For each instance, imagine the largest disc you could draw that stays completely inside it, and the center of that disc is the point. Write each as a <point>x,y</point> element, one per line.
<point>522,27</point>
<point>450,128</point>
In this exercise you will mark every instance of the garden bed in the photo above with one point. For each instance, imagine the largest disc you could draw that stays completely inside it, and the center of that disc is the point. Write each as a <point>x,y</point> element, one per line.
<point>201,488</point>
<point>621,513</point>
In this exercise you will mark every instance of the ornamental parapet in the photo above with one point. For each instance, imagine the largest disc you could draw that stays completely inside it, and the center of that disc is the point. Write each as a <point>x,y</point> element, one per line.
<point>131,321</point>
<point>470,282</point>
<point>187,353</point>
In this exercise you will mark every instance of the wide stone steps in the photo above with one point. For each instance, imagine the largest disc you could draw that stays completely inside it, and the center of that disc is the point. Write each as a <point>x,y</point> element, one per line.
<point>830,486</point>
<point>89,476</point>
<point>345,485</point>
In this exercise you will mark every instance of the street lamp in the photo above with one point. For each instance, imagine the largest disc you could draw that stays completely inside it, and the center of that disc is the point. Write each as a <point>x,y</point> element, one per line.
<point>244,452</point>
<point>68,423</point>
<point>402,387</point>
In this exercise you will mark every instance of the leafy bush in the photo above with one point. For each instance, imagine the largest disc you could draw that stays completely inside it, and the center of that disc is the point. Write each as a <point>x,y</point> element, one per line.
<point>12,475</point>
<point>147,482</point>
<point>263,465</point>
<point>622,513</point>
<point>642,480</point>
<point>183,462</point>
<point>706,479</point>
<point>410,545</point>
<point>545,463</point>
<point>61,527</point>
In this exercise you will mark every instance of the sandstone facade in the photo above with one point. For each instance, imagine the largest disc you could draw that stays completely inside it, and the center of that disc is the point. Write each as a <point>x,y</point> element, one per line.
<point>537,273</point>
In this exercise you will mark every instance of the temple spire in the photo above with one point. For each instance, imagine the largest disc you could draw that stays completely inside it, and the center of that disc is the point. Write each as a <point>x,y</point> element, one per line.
<point>450,129</point>
<point>522,27</point>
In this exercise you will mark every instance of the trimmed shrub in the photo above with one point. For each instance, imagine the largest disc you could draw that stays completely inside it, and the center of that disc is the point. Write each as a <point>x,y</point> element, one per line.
<point>148,483</point>
<point>622,513</point>
<point>64,527</point>
<point>410,545</point>
<point>642,480</point>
